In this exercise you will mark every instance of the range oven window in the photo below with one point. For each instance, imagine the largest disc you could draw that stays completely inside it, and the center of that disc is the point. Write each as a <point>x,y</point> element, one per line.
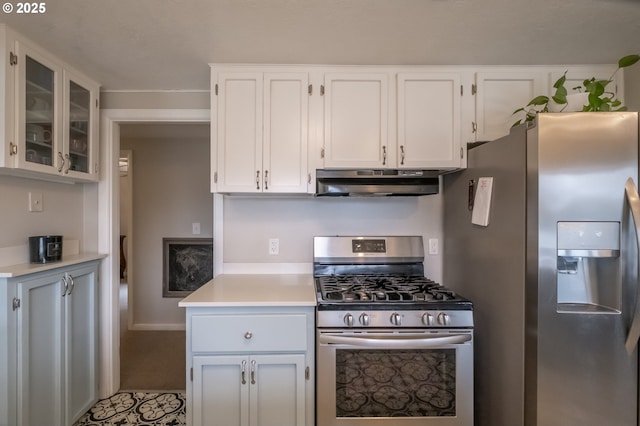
<point>395,383</point>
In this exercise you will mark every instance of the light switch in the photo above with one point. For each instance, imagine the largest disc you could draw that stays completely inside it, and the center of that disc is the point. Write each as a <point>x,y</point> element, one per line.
<point>35,202</point>
<point>195,228</point>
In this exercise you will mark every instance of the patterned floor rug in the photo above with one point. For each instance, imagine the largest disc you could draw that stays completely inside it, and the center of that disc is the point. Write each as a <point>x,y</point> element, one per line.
<point>139,409</point>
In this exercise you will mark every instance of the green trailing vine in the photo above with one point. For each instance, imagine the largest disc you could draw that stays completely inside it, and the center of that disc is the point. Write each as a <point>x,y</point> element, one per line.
<point>599,99</point>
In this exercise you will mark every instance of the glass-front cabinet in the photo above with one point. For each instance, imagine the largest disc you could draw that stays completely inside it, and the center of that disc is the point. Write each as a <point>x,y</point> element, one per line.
<point>38,113</point>
<point>56,117</point>
<point>80,103</point>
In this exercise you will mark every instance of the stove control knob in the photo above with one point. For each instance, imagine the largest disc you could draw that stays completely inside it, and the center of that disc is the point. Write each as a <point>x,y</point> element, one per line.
<point>427,319</point>
<point>348,320</point>
<point>443,319</point>
<point>396,319</point>
<point>364,318</point>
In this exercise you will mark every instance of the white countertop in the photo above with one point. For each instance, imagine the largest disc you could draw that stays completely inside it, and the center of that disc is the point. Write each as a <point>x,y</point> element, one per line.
<point>31,268</point>
<point>254,290</point>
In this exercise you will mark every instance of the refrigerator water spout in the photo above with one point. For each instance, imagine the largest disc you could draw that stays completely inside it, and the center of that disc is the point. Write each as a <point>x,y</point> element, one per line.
<point>587,267</point>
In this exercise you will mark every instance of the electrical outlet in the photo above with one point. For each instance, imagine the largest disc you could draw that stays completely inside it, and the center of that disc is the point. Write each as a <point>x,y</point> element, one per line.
<point>195,228</point>
<point>35,202</point>
<point>434,247</point>
<point>274,246</point>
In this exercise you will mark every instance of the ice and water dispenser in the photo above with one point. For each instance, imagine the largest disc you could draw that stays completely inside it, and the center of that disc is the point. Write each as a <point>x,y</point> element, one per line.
<point>588,275</point>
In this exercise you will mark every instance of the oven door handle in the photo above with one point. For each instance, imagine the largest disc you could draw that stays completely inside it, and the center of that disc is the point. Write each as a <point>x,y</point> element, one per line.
<point>393,341</point>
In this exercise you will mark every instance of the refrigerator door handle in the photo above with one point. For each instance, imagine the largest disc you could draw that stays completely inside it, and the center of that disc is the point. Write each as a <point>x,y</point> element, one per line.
<point>632,197</point>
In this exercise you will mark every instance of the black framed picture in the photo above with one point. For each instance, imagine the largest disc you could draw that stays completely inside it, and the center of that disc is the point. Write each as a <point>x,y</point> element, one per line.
<point>188,264</point>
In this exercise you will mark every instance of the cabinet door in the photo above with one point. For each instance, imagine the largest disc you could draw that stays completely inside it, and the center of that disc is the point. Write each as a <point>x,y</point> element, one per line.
<point>429,116</point>
<point>277,390</point>
<point>80,127</point>
<point>220,391</point>
<point>81,343</point>
<point>38,94</point>
<point>7,100</point>
<point>499,94</point>
<point>577,74</point>
<point>356,115</point>
<point>40,352</point>
<point>285,138</point>
<point>239,135</point>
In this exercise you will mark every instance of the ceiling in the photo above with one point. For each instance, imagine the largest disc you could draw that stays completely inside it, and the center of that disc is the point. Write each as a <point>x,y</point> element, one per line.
<point>168,44</point>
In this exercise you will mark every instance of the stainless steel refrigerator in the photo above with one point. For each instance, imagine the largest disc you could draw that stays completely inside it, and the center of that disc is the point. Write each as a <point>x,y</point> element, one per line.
<point>545,247</point>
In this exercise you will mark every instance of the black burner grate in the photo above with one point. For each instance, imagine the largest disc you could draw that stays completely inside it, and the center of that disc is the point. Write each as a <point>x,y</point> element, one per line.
<point>382,288</point>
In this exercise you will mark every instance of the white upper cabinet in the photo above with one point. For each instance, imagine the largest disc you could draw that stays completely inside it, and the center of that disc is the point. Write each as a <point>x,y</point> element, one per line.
<point>577,74</point>
<point>260,132</point>
<point>371,123</point>
<point>39,108</point>
<point>274,125</point>
<point>7,99</point>
<point>429,120</point>
<point>239,132</point>
<point>285,130</point>
<point>499,93</point>
<point>51,114</point>
<point>356,115</point>
<point>80,126</point>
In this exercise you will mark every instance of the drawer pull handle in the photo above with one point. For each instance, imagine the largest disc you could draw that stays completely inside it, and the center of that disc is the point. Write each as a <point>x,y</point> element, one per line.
<point>248,335</point>
<point>244,369</point>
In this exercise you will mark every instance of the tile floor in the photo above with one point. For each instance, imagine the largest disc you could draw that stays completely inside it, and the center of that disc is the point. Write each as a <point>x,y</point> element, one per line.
<point>137,408</point>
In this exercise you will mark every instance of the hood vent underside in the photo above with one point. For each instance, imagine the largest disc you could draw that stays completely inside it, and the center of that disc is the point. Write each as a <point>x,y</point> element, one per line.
<point>376,182</point>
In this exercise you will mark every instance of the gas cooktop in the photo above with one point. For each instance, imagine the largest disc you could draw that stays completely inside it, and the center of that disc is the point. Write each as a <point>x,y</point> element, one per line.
<point>377,273</point>
<point>381,288</point>
<point>381,292</point>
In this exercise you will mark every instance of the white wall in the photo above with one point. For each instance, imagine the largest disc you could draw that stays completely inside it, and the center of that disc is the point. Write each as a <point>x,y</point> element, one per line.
<point>250,222</point>
<point>170,192</point>
<point>632,87</point>
<point>64,208</point>
<point>155,100</point>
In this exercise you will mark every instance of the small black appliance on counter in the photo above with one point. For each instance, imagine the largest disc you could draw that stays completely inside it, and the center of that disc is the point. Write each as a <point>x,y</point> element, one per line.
<point>45,248</point>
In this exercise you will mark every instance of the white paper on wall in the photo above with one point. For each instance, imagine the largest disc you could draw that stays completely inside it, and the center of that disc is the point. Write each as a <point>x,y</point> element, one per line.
<point>482,202</point>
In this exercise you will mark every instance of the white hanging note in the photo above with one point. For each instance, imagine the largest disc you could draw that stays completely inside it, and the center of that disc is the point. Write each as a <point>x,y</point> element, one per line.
<point>482,202</point>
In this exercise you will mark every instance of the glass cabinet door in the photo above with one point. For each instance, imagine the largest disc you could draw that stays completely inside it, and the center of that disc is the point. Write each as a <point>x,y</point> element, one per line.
<point>40,113</point>
<point>78,158</point>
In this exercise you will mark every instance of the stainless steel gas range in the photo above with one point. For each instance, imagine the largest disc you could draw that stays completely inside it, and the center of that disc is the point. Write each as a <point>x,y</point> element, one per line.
<point>392,345</point>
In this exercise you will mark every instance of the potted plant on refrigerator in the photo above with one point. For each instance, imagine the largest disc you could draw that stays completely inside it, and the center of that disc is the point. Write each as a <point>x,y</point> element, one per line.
<point>592,95</point>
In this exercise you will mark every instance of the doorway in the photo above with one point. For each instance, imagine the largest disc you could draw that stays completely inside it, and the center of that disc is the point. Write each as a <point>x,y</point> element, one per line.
<point>169,191</point>
<point>125,169</point>
<point>109,229</point>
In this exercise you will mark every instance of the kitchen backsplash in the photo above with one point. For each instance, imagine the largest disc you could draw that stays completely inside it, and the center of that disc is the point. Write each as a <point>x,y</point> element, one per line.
<point>249,224</point>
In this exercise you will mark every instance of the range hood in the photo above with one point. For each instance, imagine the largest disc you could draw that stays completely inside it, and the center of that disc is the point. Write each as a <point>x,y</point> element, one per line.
<point>376,182</point>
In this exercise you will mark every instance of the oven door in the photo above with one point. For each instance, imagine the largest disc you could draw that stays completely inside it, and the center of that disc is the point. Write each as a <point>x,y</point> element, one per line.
<point>400,377</point>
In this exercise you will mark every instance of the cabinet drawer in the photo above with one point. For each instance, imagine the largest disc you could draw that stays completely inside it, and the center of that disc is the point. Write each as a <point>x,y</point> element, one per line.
<point>238,333</point>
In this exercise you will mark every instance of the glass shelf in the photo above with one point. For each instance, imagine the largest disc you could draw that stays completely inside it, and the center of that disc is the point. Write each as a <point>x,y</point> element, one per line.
<point>39,114</point>
<point>79,115</point>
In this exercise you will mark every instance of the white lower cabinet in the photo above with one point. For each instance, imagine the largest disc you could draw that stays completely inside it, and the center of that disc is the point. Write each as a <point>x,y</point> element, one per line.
<point>250,367</point>
<point>49,354</point>
<point>258,390</point>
